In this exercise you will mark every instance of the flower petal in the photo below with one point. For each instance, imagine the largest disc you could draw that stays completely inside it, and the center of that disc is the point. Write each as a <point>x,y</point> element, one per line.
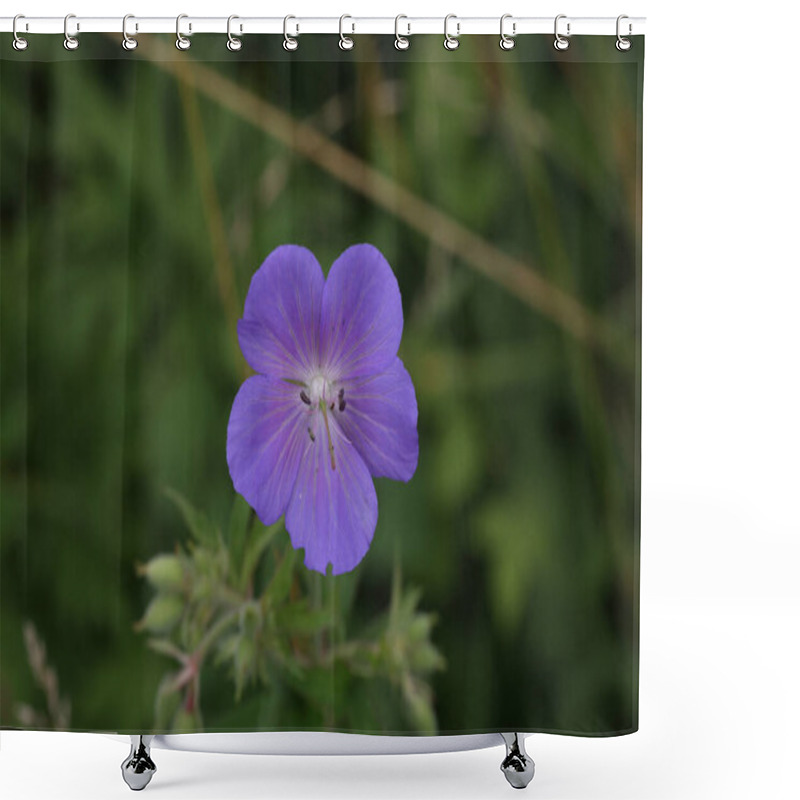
<point>362,316</point>
<point>267,432</point>
<point>333,512</point>
<point>380,419</point>
<point>280,329</point>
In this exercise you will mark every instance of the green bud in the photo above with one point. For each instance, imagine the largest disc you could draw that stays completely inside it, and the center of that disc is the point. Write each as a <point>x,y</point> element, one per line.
<point>164,572</point>
<point>163,612</point>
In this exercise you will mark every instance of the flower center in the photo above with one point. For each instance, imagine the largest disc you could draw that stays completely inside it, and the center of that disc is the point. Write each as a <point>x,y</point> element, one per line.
<point>319,394</point>
<point>320,389</point>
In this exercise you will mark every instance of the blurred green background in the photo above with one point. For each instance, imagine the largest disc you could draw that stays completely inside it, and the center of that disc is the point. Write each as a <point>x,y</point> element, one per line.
<point>139,194</point>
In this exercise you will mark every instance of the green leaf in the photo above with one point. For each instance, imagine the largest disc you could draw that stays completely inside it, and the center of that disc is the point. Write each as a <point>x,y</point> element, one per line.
<point>238,529</point>
<point>243,664</point>
<point>186,721</point>
<point>281,583</point>
<point>251,619</point>
<point>226,649</point>
<point>258,541</point>
<point>167,648</point>
<point>426,658</point>
<point>168,698</point>
<point>419,706</point>
<point>299,617</point>
<point>202,529</point>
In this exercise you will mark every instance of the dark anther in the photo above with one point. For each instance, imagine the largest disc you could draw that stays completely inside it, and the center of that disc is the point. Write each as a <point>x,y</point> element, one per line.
<point>332,405</point>
<point>313,438</point>
<point>305,398</point>
<point>342,401</point>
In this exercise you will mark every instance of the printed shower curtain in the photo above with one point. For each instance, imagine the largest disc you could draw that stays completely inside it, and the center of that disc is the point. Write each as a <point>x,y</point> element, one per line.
<point>320,386</point>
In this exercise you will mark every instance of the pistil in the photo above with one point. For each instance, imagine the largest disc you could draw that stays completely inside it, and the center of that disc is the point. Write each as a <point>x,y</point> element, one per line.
<point>328,432</point>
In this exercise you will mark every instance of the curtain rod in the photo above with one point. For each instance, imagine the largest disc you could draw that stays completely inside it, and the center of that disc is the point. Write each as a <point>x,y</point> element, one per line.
<point>346,25</point>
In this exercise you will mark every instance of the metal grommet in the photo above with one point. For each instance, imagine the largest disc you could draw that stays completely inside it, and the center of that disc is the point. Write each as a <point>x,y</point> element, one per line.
<point>70,42</point>
<point>561,42</point>
<point>19,43</point>
<point>401,42</point>
<point>507,42</point>
<point>181,42</point>
<point>623,44</point>
<point>345,42</point>
<point>234,43</point>
<point>128,42</point>
<point>289,43</point>
<point>451,42</point>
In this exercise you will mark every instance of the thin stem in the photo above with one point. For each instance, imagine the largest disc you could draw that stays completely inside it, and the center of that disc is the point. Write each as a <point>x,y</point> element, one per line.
<point>521,279</point>
<point>219,626</point>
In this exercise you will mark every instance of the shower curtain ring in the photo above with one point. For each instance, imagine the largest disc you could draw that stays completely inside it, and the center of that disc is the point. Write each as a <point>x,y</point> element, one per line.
<point>181,42</point>
<point>70,42</point>
<point>401,42</point>
<point>507,42</point>
<point>19,43</point>
<point>288,42</point>
<point>345,42</point>
<point>561,42</point>
<point>451,42</point>
<point>128,42</point>
<point>234,44</point>
<point>623,44</point>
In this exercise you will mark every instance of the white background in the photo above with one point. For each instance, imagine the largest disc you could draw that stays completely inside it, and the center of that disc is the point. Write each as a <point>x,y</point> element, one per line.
<point>720,603</point>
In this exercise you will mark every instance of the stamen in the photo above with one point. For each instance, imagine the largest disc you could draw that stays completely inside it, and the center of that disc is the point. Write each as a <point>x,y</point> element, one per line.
<point>342,401</point>
<point>311,435</point>
<point>328,432</point>
<point>304,397</point>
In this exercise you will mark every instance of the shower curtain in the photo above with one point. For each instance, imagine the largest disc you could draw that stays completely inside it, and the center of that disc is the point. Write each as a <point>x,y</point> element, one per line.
<point>320,386</point>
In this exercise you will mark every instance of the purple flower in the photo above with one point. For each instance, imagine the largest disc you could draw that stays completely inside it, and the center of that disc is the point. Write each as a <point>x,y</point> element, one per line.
<point>332,405</point>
